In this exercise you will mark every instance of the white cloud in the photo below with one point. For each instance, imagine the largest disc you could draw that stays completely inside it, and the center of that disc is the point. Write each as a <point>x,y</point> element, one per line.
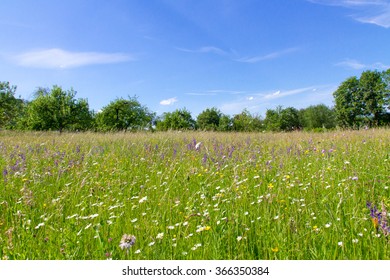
<point>259,102</point>
<point>213,92</point>
<point>269,56</point>
<point>169,101</point>
<point>207,49</point>
<point>58,58</point>
<point>356,65</point>
<point>369,11</point>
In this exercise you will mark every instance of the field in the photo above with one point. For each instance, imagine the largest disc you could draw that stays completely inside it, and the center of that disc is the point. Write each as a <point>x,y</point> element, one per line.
<point>195,195</point>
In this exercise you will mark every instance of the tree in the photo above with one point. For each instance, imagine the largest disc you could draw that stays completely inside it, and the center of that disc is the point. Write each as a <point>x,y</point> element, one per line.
<point>225,123</point>
<point>209,119</point>
<point>372,89</point>
<point>57,109</point>
<point>318,116</point>
<point>272,119</point>
<point>11,108</point>
<point>245,121</point>
<point>176,120</point>
<point>363,100</point>
<point>124,114</point>
<point>289,119</point>
<point>348,104</point>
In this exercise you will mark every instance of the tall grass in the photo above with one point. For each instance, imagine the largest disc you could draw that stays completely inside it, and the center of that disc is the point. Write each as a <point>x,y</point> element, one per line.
<point>193,195</point>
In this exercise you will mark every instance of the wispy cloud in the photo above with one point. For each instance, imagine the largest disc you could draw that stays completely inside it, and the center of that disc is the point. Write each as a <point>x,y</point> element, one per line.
<point>269,56</point>
<point>168,101</point>
<point>369,11</point>
<point>357,65</point>
<point>214,92</point>
<point>260,101</point>
<point>60,59</point>
<point>207,49</point>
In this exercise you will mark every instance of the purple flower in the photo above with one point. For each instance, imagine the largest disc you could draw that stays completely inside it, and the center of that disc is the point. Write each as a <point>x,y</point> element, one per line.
<point>379,218</point>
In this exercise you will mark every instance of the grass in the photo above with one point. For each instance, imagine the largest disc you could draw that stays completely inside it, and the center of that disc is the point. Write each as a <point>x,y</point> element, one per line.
<point>234,196</point>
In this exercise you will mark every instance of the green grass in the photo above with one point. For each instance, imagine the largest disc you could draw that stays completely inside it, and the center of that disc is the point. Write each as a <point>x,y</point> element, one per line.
<point>239,196</point>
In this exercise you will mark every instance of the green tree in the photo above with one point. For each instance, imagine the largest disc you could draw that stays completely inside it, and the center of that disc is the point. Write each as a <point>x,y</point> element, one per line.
<point>176,120</point>
<point>348,105</point>
<point>209,119</point>
<point>11,108</point>
<point>289,119</point>
<point>272,119</point>
<point>57,109</point>
<point>225,123</point>
<point>373,93</point>
<point>363,100</point>
<point>124,114</point>
<point>245,121</point>
<point>317,117</point>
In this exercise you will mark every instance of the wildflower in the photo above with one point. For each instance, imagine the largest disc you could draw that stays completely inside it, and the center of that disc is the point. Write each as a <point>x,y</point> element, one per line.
<point>137,252</point>
<point>379,218</point>
<point>355,240</point>
<point>328,225</point>
<point>354,178</point>
<point>151,244</point>
<point>160,235</point>
<point>340,243</point>
<point>275,250</point>
<point>127,241</point>
<point>39,225</point>
<point>143,199</point>
<point>239,238</point>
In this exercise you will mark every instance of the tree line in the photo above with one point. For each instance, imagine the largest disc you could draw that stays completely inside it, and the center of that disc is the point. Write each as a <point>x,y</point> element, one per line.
<point>363,101</point>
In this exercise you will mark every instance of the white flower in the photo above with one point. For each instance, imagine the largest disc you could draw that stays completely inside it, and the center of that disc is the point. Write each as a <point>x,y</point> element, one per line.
<point>276,217</point>
<point>328,225</point>
<point>134,220</point>
<point>143,199</point>
<point>137,252</point>
<point>355,240</point>
<point>160,235</point>
<point>39,225</point>
<point>151,243</point>
<point>239,238</point>
<point>127,241</point>
<point>340,243</point>
<point>88,226</point>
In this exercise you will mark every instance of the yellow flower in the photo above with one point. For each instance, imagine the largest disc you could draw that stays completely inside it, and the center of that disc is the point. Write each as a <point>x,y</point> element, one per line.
<point>270,185</point>
<point>275,250</point>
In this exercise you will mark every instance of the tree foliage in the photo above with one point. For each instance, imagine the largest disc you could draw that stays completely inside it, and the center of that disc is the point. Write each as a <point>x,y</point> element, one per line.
<point>11,108</point>
<point>124,114</point>
<point>209,119</point>
<point>318,117</point>
<point>245,121</point>
<point>57,109</point>
<point>179,119</point>
<point>363,100</point>
<point>282,119</point>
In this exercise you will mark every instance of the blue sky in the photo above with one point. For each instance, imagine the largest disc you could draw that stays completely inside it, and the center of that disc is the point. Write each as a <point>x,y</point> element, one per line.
<point>194,54</point>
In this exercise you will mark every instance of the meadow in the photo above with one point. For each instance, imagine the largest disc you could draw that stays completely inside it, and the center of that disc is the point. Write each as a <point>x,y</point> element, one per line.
<point>195,195</point>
